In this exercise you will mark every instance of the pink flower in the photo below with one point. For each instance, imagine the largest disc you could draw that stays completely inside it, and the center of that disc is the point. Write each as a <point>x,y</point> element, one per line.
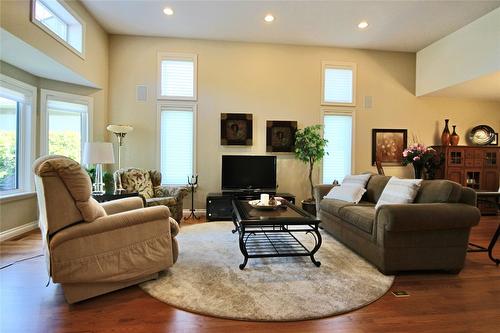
<point>416,158</point>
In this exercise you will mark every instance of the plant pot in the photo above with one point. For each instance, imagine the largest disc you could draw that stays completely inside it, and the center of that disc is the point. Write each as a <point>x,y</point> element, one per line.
<point>309,206</point>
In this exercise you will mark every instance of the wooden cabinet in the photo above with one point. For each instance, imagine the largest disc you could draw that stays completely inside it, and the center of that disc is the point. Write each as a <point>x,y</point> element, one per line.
<point>471,166</point>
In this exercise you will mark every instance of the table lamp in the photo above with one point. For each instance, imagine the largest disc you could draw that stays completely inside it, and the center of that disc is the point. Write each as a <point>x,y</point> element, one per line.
<point>98,153</point>
<point>120,131</point>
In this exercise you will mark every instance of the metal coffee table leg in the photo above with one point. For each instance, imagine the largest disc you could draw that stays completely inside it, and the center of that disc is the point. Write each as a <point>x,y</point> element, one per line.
<point>243,247</point>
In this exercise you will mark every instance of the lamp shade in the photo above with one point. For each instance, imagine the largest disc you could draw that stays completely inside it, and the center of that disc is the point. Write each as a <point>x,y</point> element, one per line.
<point>98,152</point>
<point>122,129</point>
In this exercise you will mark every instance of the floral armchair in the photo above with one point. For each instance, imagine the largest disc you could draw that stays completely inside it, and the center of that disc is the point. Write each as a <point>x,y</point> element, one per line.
<point>148,184</point>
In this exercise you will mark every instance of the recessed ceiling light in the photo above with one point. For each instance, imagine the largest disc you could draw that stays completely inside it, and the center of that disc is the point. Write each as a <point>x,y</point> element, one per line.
<point>363,24</point>
<point>269,18</point>
<point>168,11</point>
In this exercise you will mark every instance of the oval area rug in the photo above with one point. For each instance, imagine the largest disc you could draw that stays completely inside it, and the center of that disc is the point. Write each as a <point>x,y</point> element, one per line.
<point>206,279</point>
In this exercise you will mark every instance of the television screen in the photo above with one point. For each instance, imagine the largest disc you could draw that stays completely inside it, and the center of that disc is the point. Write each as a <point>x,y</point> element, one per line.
<point>241,172</point>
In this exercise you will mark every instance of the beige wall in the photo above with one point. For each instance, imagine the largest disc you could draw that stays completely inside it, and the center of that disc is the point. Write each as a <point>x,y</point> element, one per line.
<point>276,82</point>
<point>15,18</point>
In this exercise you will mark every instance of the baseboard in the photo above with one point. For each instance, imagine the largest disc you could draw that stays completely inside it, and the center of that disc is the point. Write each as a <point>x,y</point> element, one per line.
<point>199,211</point>
<point>11,233</point>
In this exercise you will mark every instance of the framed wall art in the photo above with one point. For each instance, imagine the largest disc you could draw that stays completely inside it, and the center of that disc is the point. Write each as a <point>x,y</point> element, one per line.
<point>388,145</point>
<point>280,136</point>
<point>236,129</point>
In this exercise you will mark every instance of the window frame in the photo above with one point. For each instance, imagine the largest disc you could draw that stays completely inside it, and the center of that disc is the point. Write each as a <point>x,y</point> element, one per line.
<point>45,94</point>
<point>27,136</point>
<point>176,104</point>
<point>182,57</point>
<point>328,111</point>
<point>338,65</point>
<point>53,34</point>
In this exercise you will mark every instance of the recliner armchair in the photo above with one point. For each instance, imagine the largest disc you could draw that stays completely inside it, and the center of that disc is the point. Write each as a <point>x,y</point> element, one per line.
<point>93,248</point>
<point>148,184</point>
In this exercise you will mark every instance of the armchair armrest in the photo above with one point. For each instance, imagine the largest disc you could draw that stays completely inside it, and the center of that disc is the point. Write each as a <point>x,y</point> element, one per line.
<point>432,216</point>
<point>320,191</point>
<point>178,192</point>
<point>122,205</point>
<point>112,222</point>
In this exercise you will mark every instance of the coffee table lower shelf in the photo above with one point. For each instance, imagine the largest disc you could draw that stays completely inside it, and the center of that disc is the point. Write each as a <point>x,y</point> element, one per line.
<point>276,241</point>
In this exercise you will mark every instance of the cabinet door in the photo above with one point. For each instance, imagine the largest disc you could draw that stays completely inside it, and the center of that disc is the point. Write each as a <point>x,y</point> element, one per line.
<point>491,159</point>
<point>455,157</point>
<point>478,158</point>
<point>490,180</point>
<point>456,175</point>
<point>473,178</point>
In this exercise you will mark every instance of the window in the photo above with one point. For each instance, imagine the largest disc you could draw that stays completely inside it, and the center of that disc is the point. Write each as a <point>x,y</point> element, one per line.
<point>58,20</point>
<point>338,131</point>
<point>177,141</point>
<point>177,76</point>
<point>17,125</point>
<point>66,120</point>
<point>338,85</point>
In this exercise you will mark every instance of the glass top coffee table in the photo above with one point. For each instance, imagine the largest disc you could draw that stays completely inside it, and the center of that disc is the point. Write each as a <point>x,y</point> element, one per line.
<point>272,233</point>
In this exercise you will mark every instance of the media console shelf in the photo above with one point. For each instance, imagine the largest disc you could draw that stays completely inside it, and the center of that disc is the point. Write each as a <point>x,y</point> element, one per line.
<point>220,207</point>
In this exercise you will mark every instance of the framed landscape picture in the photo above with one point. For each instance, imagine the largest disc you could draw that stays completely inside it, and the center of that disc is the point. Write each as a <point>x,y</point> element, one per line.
<point>280,136</point>
<point>236,129</point>
<point>388,145</point>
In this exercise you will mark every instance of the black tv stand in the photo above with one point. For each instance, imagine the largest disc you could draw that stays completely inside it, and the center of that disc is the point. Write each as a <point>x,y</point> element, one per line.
<point>220,207</point>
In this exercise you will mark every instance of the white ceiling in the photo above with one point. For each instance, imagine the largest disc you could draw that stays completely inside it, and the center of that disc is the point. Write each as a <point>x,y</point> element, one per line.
<point>486,88</point>
<point>393,25</point>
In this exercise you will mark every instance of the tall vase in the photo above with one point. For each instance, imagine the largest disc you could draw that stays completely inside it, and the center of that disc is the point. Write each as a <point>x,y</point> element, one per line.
<point>445,136</point>
<point>418,168</point>
<point>454,137</point>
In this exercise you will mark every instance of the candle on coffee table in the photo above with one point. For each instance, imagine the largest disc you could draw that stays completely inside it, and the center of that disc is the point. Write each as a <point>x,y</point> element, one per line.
<point>264,199</point>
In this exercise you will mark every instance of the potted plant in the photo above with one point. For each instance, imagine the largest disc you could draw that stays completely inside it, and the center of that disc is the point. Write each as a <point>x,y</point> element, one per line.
<point>423,158</point>
<point>310,148</point>
<point>107,178</point>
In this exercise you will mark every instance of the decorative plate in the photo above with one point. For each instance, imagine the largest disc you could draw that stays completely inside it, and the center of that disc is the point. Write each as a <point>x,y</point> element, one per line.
<point>482,135</point>
<point>257,205</point>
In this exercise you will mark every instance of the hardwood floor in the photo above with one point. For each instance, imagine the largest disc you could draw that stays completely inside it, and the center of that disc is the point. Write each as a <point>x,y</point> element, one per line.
<point>468,302</point>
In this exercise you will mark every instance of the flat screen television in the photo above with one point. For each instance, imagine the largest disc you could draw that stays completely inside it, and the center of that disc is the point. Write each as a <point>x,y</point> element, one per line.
<point>248,173</point>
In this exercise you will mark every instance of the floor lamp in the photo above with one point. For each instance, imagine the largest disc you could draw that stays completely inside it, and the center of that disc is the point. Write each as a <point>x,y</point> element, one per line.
<point>120,131</point>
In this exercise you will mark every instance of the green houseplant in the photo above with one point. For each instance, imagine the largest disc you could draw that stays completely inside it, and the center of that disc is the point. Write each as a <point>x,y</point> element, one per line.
<point>310,148</point>
<point>107,178</point>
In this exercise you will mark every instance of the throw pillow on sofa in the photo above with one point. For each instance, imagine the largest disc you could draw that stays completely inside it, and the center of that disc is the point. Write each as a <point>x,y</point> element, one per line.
<point>360,180</point>
<point>346,192</point>
<point>399,191</point>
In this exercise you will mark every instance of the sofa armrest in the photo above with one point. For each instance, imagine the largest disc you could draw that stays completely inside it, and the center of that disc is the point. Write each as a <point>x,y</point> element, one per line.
<point>177,192</point>
<point>112,222</point>
<point>122,205</point>
<point>432,216</point>
<point>174,227</point>
<point>320,191</point>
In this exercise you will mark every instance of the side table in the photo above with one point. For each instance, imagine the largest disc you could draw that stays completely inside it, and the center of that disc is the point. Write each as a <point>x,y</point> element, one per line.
<point>109,197</point>
<point>496,235</point>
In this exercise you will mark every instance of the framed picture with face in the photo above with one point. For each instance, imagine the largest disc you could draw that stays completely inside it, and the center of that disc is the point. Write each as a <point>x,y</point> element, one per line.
<point>280,136</point>
<point>236,129</point>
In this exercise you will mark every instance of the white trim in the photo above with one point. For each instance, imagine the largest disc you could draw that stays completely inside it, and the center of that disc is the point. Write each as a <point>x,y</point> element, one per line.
<point>194,107</point>
<point>11,233</point>
<point>16,197</point>
<point>27,134</point>
<point>199,211</point>
<point>177,56</point>
<point>54,35</point>
<point>325,111</point>
<point>65,97</point>
<point>342,65</point>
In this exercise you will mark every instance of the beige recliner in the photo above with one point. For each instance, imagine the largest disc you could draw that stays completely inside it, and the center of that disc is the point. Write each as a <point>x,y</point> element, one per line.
<point>93,248</point>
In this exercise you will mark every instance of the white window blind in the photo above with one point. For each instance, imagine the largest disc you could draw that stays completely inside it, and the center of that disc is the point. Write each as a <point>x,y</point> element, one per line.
<point>338,84</point>
<point>177,76</point>
<point>176,143</point>
<point>338,131</point>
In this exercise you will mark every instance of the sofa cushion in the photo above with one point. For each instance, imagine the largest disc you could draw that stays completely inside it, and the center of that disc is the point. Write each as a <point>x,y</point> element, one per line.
<point>360,180</point>
<point>165,201</point>
<point>138,180</point>
<point>333,206</point>
<point>360,216</point>
<point>375,187</point>
<point>439,191</point>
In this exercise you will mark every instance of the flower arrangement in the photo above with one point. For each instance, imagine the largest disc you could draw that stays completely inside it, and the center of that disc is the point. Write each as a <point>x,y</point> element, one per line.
<point>422,158</point>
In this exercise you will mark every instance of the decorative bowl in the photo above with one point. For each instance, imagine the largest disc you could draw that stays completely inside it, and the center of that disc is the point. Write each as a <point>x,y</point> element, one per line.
<point>482,135</point>
<point>257,205</point>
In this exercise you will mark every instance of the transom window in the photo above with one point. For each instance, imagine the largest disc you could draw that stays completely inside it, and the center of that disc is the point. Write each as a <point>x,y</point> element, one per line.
<point>338,84</point>
<point>177,76</point>
<point>58,20</point>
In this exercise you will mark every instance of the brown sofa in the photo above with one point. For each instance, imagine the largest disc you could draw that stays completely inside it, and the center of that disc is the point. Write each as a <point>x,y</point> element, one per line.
<point>430,234</point>
<point>93,248</point>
